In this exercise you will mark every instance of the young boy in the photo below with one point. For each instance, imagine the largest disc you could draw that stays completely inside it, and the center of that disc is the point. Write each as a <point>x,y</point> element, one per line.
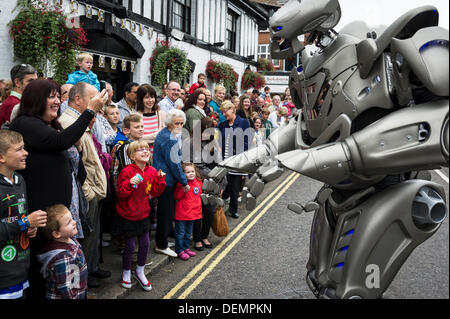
<point>200,83</point>
<point>85,61</point>
<point>112,116</point>
<point>63,264</point>
<point>133,129</point>
<point>265,123</point>
<point>16,226</point>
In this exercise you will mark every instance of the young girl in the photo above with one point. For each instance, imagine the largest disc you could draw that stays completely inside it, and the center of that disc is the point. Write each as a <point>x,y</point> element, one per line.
<point>258,138</point>
<point>187,210</point>
<point>134,185</point>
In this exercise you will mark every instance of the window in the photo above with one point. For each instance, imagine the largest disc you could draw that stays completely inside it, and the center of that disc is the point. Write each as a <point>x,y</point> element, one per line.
<point>263,52</point>
<point>126,3</point>
<point>231,31</point>
<point>181,18</point>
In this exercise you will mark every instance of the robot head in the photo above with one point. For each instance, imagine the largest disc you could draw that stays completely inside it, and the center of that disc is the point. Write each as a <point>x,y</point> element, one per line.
<point>298,17</point>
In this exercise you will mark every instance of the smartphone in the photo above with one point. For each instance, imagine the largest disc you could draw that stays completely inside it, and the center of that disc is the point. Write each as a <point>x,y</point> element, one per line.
<point>102,85</point>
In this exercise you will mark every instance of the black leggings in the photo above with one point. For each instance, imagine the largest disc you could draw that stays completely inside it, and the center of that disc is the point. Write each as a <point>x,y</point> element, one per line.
<point>164,217</point>
<point>202,226</point>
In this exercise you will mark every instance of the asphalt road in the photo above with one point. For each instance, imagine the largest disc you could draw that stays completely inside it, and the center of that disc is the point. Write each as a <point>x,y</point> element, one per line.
<point>266,255</point>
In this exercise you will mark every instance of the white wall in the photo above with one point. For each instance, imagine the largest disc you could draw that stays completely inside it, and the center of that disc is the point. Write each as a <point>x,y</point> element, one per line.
<point>6,47</point>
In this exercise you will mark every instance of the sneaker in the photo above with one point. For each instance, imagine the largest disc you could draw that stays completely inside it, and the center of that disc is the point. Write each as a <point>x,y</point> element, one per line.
<point>190,252</point>
<point>183,255</point>
<point>146,287</point>
<point>170,244</point>
<point>126,284</point>
<point>235,215</point>
<point>169,252</point>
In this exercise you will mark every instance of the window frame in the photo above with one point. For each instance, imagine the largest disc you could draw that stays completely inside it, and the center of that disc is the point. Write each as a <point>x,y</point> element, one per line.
<point>184,17</point>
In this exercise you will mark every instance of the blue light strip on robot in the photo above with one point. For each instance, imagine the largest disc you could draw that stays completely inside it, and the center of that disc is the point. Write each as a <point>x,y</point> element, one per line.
<point>340,265</point>
<point>434,43</point>
<point>350,232</point>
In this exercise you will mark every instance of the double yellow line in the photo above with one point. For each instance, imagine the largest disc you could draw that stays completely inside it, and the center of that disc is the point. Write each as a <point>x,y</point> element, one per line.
<point>273,197</point>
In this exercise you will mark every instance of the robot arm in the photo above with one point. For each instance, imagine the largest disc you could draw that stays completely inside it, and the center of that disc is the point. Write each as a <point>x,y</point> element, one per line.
<point>259,161</point>
<point>414,138</point>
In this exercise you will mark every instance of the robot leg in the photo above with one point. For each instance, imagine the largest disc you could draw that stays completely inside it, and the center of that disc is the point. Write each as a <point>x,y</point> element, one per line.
<point>360,257</point>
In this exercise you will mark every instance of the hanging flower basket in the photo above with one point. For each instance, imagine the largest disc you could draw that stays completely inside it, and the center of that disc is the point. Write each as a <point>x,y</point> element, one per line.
<point>41,38</point>
<point>252,80</point>
<point>265,65</point>
<point>166,58</point>
<point>222,73</point>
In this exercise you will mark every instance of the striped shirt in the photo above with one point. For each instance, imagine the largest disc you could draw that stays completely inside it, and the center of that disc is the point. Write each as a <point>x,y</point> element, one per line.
<point>151,125</point>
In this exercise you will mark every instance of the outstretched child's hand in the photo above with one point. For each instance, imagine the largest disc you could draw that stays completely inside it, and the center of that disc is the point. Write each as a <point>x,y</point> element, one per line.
<point>37,219</point>
<point>161,173</point>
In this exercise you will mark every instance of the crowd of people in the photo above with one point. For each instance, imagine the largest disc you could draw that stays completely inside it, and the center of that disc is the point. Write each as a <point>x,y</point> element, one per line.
<point>78,170</point>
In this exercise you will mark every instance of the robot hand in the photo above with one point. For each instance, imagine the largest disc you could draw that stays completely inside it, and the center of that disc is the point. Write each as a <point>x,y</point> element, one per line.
<point>269,171</point>
<point>257,161</point>
<point>211,186</point>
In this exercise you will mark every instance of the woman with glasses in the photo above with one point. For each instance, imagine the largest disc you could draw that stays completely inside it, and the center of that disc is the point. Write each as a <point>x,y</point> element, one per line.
<point>167,157</point>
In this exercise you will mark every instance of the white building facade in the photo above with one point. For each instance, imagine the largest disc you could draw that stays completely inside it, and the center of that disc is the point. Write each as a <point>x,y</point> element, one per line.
<point>123,33</point>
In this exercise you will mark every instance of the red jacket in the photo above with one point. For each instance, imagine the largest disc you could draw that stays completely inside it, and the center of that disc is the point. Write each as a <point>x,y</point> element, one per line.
<point>195,86</point>
<point>132,203</point>
<point>7,107</point>
<point>189,205</point>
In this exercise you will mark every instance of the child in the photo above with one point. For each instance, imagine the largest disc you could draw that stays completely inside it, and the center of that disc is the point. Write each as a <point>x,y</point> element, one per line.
<point>266,95</point>
<point>85,61</point>
<point>134,209</point>
<point>200,83</point>
<point>63,263</point>
<point>187,210</point>
<point>133,129</point>
<point>258,138</point>
<point>16,227</point>
<point>112,116</point>
<point>265,123</point>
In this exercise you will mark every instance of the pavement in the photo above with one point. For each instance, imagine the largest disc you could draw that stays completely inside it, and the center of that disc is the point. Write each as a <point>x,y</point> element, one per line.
<point>112,260</point>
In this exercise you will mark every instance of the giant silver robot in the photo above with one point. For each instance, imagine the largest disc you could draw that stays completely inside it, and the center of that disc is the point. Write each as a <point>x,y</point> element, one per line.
<point>373,118</point>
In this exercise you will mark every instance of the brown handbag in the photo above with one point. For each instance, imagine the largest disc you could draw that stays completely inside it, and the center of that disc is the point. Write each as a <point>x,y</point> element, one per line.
<point>220,224</point>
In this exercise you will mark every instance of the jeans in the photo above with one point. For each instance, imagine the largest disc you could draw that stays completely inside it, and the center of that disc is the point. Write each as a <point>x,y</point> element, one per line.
<point>183,232</point>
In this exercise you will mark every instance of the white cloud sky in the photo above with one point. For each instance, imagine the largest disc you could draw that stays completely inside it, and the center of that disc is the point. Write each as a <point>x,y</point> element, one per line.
<point>376,12</point>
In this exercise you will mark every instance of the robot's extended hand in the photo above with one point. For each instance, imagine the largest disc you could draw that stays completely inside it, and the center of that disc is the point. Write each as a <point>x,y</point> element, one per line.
<point>257,161</point>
